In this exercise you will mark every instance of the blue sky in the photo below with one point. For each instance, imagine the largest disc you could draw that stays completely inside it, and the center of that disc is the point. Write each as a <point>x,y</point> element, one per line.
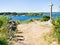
<point>28,5</point>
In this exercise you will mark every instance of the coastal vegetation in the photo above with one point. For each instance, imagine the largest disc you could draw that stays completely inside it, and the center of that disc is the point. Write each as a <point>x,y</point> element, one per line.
<point>3,30</point>
<point>56,23</point>
<point>45,18</point>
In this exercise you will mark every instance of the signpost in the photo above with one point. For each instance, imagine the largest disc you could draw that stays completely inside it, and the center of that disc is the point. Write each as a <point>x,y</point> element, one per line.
<point>51,11</point>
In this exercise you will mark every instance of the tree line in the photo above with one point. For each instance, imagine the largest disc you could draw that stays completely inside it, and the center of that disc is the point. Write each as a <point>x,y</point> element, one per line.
<point>15,13</point>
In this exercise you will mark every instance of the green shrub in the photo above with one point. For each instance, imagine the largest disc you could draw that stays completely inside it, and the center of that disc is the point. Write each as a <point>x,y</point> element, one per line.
<point>3,20</point>
<point>45,18</point>
<point>4,26</point>
<point>56,24</point>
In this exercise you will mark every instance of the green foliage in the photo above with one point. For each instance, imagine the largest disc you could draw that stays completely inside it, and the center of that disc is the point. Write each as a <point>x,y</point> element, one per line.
<point>45,18</point>
<point>3,30</point>
<point>56,24</point>
<point>22,13</point>
<point>3,41</point>
<point>3,23</point>
<point>3,20</point>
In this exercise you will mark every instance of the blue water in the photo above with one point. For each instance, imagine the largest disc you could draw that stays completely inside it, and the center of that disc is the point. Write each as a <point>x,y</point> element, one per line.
<point>23,18</point>
<point>54,15</point>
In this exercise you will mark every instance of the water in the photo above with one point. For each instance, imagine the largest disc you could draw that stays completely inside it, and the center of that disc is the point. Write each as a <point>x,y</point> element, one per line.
<point>54,15</point>
<point>22,18</point>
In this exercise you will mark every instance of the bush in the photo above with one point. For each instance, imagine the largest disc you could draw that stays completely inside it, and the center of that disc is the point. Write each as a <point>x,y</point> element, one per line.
<point>45,18</point>
<point>3,20</point>
<point>56,24</point>
<point>3,25</point>
<point>3,30</point>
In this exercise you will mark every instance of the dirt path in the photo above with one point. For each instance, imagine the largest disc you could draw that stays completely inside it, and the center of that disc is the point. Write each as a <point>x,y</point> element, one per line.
<point>33,31</point>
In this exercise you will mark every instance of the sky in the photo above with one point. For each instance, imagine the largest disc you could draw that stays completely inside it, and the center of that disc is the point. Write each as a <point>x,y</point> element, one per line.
<point>28,5</point>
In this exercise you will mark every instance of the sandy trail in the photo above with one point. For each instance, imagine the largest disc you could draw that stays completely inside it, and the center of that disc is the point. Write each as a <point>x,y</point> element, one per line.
<point>33,33</point>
